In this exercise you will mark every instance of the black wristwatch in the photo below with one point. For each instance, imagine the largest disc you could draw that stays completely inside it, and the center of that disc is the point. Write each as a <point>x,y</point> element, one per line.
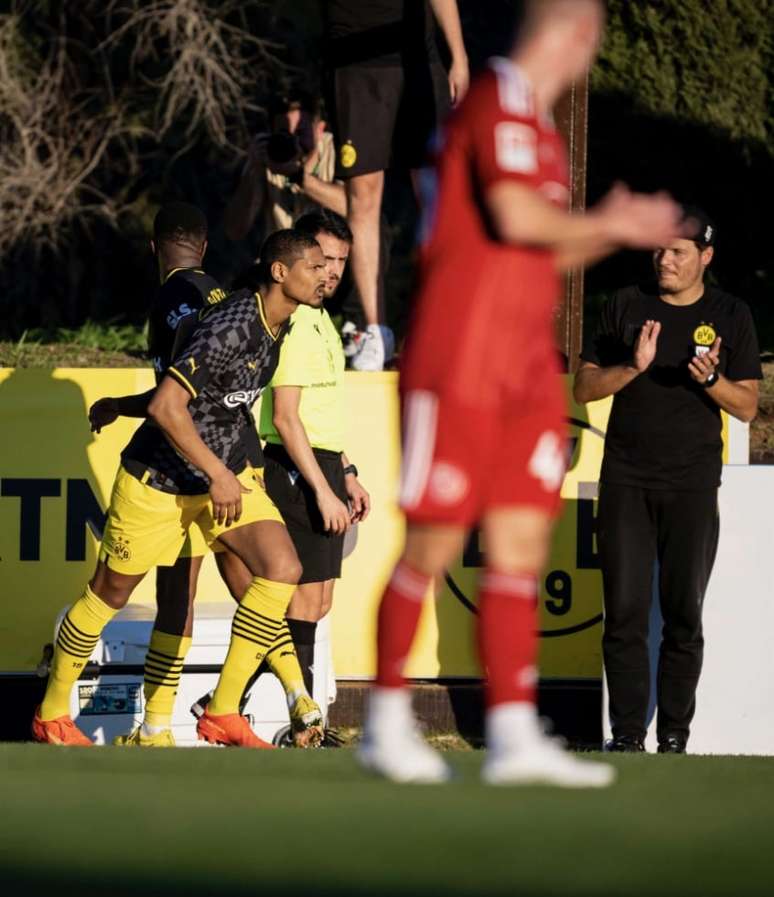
<point>350,469</point>
<point>710,381</point>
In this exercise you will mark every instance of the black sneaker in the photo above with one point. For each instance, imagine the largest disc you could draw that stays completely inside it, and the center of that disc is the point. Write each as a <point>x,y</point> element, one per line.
<point>672,744</point>
<point>625,744</point>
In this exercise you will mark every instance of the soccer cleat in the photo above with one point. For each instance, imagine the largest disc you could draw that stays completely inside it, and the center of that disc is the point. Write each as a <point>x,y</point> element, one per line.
<point>520,753</point>
<point>545,764</point>
<point>672,744</point>
<point>61,730</point>
<point>392,747</point>
<point>376,348</point>
<point>137,738</point>
<point>230,729</point>
<point>306,722</point>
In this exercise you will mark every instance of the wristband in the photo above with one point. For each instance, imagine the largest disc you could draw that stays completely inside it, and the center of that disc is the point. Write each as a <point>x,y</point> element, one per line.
<point>710,381</point>
<point>350,469</point>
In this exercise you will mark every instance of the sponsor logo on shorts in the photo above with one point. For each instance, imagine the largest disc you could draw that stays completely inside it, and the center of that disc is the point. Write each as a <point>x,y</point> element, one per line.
<point>241,397</point>
<point>448,484</point>
<point>348,155</point>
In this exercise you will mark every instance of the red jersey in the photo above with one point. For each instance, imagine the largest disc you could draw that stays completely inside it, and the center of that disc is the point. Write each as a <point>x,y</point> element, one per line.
<point>483,319</point>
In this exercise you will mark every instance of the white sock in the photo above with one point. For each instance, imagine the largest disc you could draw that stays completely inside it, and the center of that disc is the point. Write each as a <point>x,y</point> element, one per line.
<point>149,730</point>
<point>513,726</point>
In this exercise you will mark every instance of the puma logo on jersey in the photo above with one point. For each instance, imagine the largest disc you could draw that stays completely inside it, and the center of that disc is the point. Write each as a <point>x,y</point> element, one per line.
<point>192,364</point>
<point>252,365</point>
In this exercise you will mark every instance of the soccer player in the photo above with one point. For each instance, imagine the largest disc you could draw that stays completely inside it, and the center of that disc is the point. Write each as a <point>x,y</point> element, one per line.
<point>187,466</point>
<point>179,244</point>
<point>483,405</point>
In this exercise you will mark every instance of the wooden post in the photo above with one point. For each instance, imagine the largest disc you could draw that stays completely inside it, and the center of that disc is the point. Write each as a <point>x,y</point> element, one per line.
<point>572,122</point>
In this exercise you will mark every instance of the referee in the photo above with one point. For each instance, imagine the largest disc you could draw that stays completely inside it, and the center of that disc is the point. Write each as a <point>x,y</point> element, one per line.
<point>307,474</point>
<point>673,354</point>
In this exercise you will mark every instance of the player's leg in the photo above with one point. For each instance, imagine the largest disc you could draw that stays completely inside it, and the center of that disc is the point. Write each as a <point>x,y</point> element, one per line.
<point>440,494</point>
<point>391,745</point>
<point>143,528</point>
<point>170,642</point>
<point>260,540</point>
<point>522,501</point>
<point>281,658</point>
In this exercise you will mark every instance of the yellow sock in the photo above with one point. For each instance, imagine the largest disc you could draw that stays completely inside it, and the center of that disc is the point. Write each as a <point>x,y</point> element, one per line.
<point>257,622</point>
<point>78,634</point>
<point>163,666</point>
<point>282,660</point>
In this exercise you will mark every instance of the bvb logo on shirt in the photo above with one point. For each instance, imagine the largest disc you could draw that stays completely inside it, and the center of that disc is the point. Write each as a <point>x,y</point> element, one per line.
<point>704,335</point>
<point>348,155</point>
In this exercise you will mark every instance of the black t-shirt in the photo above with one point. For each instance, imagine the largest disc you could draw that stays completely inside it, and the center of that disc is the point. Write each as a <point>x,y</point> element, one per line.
<point>226,364</point>
<point>379,32</point>
<point>664,430</point>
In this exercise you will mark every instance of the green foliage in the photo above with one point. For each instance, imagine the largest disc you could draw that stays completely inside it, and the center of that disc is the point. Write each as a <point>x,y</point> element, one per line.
<point>109,336</point>
<point>706,63</point>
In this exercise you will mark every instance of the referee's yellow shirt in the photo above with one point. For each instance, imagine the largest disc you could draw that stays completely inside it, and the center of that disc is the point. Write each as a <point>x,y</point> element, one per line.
<point>311,357</point>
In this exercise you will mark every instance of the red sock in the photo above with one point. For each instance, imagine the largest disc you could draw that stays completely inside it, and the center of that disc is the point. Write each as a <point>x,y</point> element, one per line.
<point>397,624</point>
<point>507,638</point>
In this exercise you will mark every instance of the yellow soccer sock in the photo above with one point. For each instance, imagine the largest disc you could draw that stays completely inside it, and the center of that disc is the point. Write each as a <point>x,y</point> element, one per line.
<point>77,637</point>
<point>257,623</point>
<point>282,660</point>
<point>163,666</point>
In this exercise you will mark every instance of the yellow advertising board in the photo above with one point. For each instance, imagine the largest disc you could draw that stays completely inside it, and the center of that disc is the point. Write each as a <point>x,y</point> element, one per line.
<point>55,480</point>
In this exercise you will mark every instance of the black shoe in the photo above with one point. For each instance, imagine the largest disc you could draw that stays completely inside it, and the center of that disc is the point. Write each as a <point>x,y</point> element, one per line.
<point>625,744</point>
<point>672,744</point>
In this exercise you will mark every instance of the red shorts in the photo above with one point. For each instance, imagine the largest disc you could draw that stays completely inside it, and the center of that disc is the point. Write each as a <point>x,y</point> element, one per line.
<point>459,461</point>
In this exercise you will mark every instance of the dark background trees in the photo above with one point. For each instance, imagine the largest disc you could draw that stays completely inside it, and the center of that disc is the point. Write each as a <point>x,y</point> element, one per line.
<point>109,108</point>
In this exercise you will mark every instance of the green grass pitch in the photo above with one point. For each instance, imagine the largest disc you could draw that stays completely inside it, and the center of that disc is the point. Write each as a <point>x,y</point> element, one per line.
<point>208,822</point>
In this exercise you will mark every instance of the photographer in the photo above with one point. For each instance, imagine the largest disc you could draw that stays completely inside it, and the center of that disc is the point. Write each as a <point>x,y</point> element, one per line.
<point>289,171</point>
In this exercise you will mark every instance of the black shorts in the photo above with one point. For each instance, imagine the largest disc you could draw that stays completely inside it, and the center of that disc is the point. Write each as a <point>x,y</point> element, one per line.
<point>384,115</point>
<point>320,553</point>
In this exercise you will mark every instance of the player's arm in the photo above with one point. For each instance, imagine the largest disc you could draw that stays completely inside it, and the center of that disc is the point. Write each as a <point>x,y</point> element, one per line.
<point>593,381</point>
<point>448,17</point>
<point>169,410</point>
<point>105,411</point>
<point>250,194</point>
<point>360,499</point>
<point>287,421</point>
<point>521,215</point>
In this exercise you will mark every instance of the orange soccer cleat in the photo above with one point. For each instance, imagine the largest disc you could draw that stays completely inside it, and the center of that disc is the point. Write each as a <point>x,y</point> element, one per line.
<point>61,730</point>
<point>231,729</point>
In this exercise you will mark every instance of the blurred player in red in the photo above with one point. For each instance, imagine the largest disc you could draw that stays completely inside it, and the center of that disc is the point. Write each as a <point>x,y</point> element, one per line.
<point>483,405</point>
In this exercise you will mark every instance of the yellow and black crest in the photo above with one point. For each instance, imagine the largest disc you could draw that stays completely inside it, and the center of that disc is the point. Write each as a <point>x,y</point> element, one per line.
<point>704,335</point>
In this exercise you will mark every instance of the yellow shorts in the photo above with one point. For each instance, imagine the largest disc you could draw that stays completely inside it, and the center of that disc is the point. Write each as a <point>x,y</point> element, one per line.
<point>146,527</point>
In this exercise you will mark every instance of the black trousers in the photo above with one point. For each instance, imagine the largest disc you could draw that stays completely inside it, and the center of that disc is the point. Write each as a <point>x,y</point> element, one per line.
<point>636,527</point>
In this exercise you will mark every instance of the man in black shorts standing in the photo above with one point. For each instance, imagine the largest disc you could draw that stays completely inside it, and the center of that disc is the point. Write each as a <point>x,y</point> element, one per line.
<point>389,92</point>
<point>673,355</point>
<point>308,476</point>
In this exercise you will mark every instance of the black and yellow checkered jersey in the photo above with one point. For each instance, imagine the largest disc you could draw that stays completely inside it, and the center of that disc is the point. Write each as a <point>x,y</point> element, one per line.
<point>228,360</point>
